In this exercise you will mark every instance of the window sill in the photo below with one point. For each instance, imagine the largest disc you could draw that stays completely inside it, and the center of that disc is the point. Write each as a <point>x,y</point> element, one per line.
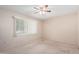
<point>28,34</point>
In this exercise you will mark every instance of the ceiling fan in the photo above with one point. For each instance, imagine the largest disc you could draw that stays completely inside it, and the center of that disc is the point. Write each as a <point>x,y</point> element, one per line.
<point>42,9</point>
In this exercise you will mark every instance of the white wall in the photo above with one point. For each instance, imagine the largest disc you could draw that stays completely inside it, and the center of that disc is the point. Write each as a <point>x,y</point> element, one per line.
<point>78,28</point>
<point>6,31</point>
<point>61,28</point>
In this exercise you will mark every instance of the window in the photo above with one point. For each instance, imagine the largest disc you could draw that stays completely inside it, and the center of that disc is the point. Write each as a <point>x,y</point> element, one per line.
<point>19,26</point>
<point>22,26</point>
<point>32,27</point>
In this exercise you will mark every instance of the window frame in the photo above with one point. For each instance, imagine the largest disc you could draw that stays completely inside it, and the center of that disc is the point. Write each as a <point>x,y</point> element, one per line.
<point>25,32</point>
<point>14,26</point>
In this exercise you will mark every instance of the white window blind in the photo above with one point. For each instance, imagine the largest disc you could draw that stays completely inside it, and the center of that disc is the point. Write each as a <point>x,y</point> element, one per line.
<point>25,27</point>
<point>32,27</point>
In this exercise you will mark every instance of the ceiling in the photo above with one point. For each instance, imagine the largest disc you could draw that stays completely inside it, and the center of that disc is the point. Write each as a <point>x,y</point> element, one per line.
<point>29,11</point>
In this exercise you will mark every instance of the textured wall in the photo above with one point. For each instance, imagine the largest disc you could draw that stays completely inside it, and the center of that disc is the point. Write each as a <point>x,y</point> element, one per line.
<point>61,28</point>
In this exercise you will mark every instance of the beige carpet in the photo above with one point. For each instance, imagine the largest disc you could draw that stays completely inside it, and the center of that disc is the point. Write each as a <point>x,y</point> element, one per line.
<point>45,48</point>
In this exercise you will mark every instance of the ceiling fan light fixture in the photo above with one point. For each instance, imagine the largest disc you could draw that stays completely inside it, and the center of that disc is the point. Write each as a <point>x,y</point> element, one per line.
<point>42,12</point>
<point>43,9</point>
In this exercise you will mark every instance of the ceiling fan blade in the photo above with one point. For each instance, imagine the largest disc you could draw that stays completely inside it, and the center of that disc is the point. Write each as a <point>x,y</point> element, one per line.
<point>36,12</point>
<point>36,8</point>
<point>48,10</point>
